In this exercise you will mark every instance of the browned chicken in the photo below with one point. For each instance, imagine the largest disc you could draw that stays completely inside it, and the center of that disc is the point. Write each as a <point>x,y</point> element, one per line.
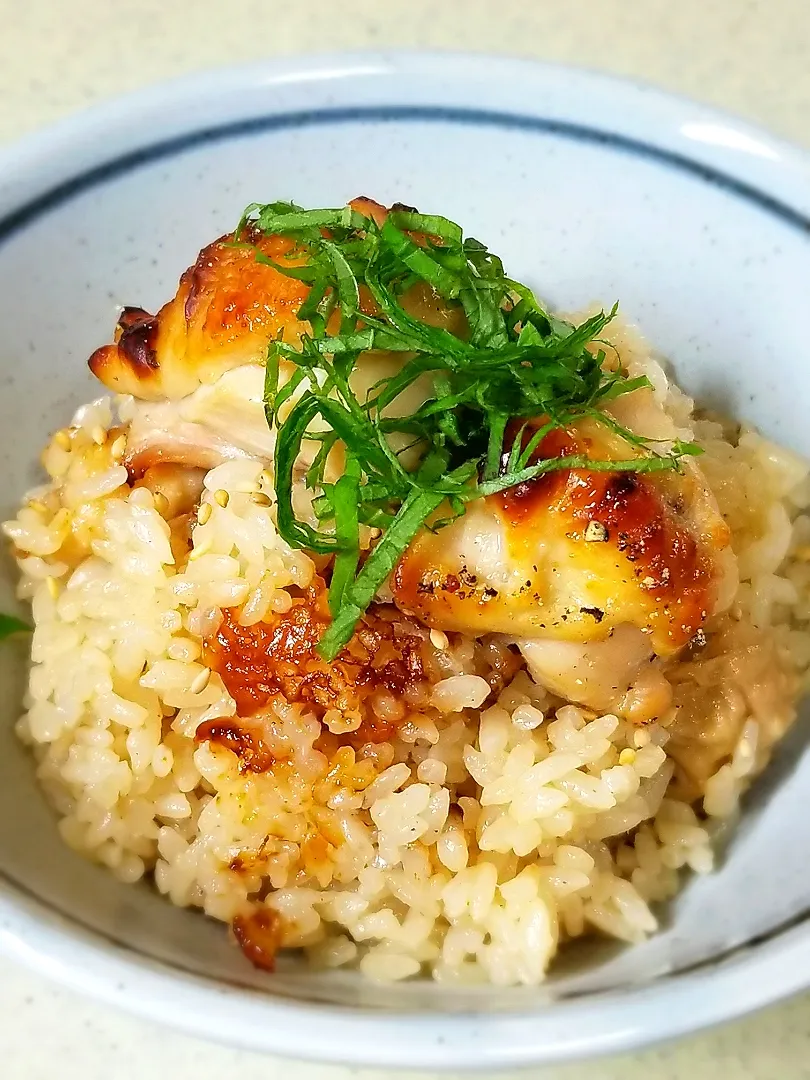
<point>227,307</point>
<point>593,574</point>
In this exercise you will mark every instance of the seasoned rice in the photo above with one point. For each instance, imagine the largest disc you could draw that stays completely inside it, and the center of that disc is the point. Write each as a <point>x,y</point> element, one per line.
<point>465,825</point>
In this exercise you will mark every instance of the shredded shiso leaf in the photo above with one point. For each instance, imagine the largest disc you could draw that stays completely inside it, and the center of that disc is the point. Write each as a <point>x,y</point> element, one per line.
<point>516,374</point>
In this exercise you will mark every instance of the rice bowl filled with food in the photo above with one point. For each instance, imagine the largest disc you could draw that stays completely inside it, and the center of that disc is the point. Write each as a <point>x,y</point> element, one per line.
<point>381,613</point>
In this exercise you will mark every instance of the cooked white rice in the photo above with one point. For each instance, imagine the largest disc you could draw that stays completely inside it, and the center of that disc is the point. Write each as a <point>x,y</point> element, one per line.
<point>472,844</point>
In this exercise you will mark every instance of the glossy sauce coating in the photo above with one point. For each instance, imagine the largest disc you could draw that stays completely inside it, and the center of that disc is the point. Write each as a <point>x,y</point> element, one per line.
<point>276,658</point>
<point>259,935</point>
<point>638,515</point>
<point>227,308</point>
<point>571,554</point>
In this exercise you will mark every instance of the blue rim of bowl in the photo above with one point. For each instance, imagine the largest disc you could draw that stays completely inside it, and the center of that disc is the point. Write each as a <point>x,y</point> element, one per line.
<point>29,211</point>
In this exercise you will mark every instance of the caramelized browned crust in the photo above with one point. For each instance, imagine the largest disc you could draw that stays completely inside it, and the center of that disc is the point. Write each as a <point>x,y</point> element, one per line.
<point>644,533</point>
<point>277,658</point>
<point>259,934</point>
<point>596,550</point>
<point>242,738</point>
<point>227,308</point>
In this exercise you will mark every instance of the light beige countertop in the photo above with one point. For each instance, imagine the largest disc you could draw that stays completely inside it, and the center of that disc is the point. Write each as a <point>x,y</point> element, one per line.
<point>57,56</point>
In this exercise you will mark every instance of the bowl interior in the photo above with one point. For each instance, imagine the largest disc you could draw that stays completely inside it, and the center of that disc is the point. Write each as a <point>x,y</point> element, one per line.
<point>670,224</point>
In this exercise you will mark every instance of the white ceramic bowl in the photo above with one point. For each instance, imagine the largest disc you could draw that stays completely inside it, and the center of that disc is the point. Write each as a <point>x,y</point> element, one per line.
<point>591,190</point>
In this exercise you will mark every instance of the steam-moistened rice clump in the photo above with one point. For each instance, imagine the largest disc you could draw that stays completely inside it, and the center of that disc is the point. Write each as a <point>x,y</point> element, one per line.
<point>437,703</point>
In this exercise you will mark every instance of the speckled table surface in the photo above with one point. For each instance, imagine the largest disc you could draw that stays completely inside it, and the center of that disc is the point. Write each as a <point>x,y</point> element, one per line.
<point>57,56</point>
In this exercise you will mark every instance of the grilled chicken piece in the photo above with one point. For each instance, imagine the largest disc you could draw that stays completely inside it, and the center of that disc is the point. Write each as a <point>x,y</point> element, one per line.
<point>227,308</point>
<point>594,574</point>
<point>217,422</point>
<point>196,369</point>
<point>574,553</point>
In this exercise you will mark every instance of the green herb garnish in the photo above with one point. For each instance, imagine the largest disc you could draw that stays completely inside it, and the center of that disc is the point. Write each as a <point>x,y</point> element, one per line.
<point>10,624</point>
<point>475,433</point>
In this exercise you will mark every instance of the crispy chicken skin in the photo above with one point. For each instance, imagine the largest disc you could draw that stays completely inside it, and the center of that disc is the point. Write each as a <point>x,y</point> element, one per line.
<point>573,554</point>
<point>594,574</point>
<point>227,308</point>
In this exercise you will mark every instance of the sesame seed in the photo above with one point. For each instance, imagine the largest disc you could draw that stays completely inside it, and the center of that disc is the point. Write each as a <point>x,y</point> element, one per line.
<point>118,447</point>
<point>198,552</point>
<point>199,682</point>
<point>221,497</point>
<point>204,513</point>
<point>439,639</point>
<point>98,435</point>
<point>627,756</point>
<point>60,520</point>
<point>260,498</point>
